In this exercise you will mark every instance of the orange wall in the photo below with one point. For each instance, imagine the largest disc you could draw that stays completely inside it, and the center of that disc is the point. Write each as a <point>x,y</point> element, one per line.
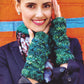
<point>6,37</point>
<point>7,11</point>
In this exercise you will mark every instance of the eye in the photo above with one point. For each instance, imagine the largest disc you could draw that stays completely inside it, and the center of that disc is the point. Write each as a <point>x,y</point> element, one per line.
<point>31,6</point>
<point>47,6</point>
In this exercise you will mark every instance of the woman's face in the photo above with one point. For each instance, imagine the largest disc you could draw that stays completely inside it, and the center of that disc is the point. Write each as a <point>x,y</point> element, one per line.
<point>36,14</point>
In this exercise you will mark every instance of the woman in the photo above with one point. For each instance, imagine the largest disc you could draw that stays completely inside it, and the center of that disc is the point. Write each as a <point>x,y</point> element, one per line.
<point>36,15</point>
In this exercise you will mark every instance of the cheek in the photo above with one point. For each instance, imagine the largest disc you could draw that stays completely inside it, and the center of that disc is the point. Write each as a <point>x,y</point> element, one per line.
<point>48,14</point>
<point>26,15</point>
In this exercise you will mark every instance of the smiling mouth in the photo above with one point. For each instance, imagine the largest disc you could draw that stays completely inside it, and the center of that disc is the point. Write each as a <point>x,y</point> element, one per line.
<point>39,22</point>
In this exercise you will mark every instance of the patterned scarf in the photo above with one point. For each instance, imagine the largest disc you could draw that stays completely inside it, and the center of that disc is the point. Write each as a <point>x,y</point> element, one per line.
<point>23,40</point>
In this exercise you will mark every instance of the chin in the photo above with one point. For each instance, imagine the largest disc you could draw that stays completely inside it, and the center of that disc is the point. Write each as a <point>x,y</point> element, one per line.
<point>38,29</point>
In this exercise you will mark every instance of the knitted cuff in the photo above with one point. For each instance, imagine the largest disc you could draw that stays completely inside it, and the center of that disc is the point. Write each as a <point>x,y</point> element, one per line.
<point>59,20</point>
<point>41,37</point>
<point>58,28</point>
<point>37,56</point>
<point>58,25</point>
<point>63,55</point>
<point>62,45</point>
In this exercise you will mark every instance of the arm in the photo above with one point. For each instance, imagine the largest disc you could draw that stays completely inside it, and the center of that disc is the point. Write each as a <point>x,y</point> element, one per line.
<point>76,49</point>
<point>58,34</point>
<point>37,56</point>
<point>5,76</point>
<point>62,44</point>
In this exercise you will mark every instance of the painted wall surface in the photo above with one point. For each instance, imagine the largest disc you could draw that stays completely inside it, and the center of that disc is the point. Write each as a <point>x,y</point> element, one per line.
<point>72,10</point>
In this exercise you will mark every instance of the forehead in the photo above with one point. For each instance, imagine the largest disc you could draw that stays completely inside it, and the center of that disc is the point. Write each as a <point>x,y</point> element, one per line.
<point>36,1</point>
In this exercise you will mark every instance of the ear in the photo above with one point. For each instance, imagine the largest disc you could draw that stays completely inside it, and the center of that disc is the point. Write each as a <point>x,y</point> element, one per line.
<point>18,6</point>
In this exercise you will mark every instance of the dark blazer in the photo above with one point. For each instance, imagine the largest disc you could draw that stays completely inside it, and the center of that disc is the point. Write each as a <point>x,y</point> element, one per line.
<point>11,61</point>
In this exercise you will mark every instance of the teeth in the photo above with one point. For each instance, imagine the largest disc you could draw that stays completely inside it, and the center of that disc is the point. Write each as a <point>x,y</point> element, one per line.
<point>39,21</point>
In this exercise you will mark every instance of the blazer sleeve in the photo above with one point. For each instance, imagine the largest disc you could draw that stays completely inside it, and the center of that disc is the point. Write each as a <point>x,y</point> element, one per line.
<point>5,76</point>
<point>76,49</point>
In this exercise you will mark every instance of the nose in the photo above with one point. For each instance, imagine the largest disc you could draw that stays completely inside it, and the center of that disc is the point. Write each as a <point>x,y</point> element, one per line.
<point>39,13</point>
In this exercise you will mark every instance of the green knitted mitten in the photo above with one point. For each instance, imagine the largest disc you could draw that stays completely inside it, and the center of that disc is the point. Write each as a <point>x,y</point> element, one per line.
<point>37,56</point>
<point>62,45</point>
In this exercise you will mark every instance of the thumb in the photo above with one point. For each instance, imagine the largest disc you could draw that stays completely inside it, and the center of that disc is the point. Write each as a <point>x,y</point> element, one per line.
<point>47,28</point>
<point>31,34</point>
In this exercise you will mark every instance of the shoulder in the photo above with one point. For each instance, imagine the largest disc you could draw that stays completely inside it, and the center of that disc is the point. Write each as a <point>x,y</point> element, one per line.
<point>7,47</point>
<point>6,51</point>
<point>74,41</point>
<point>12,44</point>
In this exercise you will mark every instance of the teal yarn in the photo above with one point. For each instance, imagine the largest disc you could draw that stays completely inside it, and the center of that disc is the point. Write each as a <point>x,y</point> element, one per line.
<point>23,29</point>
<point>37,56</point>
<point>38,53</point>
<point>62,45</point>
<point>40,49</point>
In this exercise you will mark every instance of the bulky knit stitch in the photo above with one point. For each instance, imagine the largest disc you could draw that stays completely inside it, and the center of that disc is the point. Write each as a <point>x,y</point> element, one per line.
<point>61,42</point>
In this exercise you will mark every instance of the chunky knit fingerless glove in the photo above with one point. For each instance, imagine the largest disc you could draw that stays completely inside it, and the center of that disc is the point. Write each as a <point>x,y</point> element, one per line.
<point>37,56</point>
<point>58,34</point>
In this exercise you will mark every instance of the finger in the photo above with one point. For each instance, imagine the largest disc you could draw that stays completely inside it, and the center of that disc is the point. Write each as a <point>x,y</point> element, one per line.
<point>31,34</point>
<point>47,28</point>
<point>32,81</point>
<point>56,8</point>
<point>64,65</point>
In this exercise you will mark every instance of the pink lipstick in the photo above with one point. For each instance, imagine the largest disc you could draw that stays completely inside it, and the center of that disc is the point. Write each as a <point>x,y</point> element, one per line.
<point>39,22</point>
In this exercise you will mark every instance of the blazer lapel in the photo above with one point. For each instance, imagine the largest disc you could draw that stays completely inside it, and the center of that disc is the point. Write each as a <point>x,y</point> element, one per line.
<point>16,54</point>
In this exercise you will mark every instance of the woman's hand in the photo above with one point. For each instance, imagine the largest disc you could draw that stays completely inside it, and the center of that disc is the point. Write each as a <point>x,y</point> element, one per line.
<point>56,8</point>
<point>31,34</point>
<point>32,81</point>
<point>64,65</point>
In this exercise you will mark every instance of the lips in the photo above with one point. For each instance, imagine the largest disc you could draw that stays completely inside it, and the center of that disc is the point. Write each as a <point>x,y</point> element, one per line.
<point>39,22</point>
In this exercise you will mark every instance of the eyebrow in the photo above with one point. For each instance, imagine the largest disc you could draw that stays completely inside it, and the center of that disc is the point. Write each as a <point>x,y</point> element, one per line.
<point>48,3</point>
<point>35,3</point>
<point>31,3</point>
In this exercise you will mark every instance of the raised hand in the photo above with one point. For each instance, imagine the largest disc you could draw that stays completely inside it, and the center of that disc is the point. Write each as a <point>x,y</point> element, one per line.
<point>46,30</point>
<point>58,34</point>
<point>56,8</point>
<point>31,34</point>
